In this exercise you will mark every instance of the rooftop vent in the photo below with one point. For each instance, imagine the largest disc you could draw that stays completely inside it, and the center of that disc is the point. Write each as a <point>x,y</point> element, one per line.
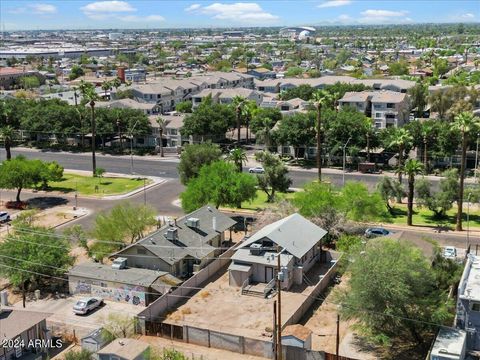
<point>172,234</point>
<point>119,263</point>
<point>255,249</point>
<point>193,222</point>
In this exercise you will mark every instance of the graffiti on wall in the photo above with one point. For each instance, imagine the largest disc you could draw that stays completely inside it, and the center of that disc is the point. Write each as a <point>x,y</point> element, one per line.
<point>134,295</point>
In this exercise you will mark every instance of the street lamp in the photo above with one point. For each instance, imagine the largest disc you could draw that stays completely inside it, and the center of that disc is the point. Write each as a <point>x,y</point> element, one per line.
<point>344,159</point>
<point>468,220</point>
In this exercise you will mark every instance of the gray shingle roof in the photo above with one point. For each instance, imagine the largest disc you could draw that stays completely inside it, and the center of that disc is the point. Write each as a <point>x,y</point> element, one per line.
<point>294,233</point>
<point>191,242</point>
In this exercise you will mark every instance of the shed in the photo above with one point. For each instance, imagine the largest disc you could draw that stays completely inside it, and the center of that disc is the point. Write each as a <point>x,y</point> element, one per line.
<point>124,349</point>
<point>93,342</point>
<point>297,336</point>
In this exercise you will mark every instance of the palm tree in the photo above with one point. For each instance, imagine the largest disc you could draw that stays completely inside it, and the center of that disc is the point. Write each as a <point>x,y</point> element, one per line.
<point>7,131</point>
<point>161,124</point>
<point>239,104</point>
<point>319,99</point>
<point>464,123</point>
<point>90,95</point>
<point>238,157</point>
<point>249,110</point>
<point>265,134</point>
<point>412,168</point>
<point>400,139</point>
<point>426,132</point>
<point>106,85</point>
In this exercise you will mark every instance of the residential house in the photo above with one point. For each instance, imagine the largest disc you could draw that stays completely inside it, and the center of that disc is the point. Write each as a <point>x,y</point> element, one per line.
<point>146,108</point>
<point>386,108</point>
<point>226,96</point>
<point>183,246</point>
<point>285,106</point>
<point>118,283</point>
<point>124,349</point>
<point>10,77</point>
<point>468,302</point>
<point>171,136</point>
<point>22,328</point>
<point>296,239</point>
<point>262,73</point>
<point>450,344</point>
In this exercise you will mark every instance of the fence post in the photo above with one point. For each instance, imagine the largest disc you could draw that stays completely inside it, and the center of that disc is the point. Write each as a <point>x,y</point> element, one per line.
<point>208,332</point>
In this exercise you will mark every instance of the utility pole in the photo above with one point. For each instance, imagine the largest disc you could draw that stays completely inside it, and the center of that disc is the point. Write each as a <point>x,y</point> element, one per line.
<point>338,337</point>
<point>279,310</point>
<point>345,160</point>
<point>274,333</point>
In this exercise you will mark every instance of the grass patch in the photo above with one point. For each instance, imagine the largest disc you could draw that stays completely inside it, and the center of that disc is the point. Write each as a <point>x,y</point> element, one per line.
<point>423,216</point>
<point>88,185</point>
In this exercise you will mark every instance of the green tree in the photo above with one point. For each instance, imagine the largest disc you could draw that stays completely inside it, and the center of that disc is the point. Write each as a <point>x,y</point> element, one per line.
<point>118,325</point>
<point>441,201</point>
<point>17,173</point>
<point>209,119</point>
<point>389,190</point>
<point>392,293</point>
<point>275,178</point>
<point>263,121</point>
<point>79,355</point>
<point>239,104</point>
<point>411,168</point>
<point>238,157</point>
<point>303,91</point>
<point>398,68</point>
<point>464,123</point>
<point>75,72</point>
<point>106,85</point>
<point>218,183</point>
<point>193,157</point>
<point>358,204</point>
<point>184,107</point>
<point>24,258</point>
<point>29,82</point>
<point>297,130</point>
<point>418,95</point>
<point>7,131</point>
<point>440,102</point>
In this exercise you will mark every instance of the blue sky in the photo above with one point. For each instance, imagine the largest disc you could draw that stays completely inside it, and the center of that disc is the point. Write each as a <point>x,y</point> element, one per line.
<point>119,14</point>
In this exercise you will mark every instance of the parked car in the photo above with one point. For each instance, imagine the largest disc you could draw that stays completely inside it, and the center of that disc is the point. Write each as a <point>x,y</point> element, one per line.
<point>450,252</point>
<point>4,217</point>
<point>256,170</point>
<point>374,232</point>
<point>85,305</point>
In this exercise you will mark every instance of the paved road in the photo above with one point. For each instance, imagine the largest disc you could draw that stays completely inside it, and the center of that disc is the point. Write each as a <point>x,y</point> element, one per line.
<point>168,168</point>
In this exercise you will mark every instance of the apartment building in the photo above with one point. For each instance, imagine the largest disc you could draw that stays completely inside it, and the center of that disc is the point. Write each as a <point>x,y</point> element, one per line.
<point>226,96</point>
<point>386,108</point>
<point>166,93</point>
<point>10,77</point>
<point>279,85</point>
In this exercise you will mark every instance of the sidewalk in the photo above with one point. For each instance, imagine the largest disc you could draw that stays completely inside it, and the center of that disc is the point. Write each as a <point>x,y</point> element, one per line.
<point>433,230</point>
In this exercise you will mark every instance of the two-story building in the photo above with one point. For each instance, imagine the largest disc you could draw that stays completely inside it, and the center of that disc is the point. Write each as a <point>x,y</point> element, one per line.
<point>226,96</point>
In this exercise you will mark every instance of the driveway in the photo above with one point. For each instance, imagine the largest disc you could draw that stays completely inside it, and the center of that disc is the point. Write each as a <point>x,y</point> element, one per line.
<point>63,318</point>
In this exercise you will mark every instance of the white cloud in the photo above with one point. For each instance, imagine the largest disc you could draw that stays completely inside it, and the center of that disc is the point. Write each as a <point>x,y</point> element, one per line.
<point>139,19</point>
<point>334,3</point>
<point>43,8</point>
<point>344,18</point>
<point>383,17</point>
<point>193,7</point>
<point>467,16</point>
<point>113,6</point>
<point>236,12</point>
<point>18,10</point>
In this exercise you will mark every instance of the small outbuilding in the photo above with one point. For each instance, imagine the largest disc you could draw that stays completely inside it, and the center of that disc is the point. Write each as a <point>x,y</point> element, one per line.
<point>297,336</point>
<point>93,342</point>
<point>124,349</point>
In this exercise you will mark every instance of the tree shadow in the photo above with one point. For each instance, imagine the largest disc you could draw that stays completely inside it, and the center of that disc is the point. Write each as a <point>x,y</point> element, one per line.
<point>44,202</point>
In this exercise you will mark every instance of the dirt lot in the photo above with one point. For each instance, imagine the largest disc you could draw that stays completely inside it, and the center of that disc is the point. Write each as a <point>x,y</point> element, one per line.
<point>221,307</point>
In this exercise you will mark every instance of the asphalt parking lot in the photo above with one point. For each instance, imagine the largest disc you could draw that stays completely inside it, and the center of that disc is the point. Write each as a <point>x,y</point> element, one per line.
<point>63,318</point>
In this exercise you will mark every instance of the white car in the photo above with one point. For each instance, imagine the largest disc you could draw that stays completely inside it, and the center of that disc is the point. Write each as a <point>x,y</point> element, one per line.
<point>450,252</point>
<point>4,217</point>
<point>256,170</point>
<point>85,305</point>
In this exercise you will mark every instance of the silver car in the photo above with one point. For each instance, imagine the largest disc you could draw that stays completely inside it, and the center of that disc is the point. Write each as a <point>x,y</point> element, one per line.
<point>256,170</point>
<point>85,305</point>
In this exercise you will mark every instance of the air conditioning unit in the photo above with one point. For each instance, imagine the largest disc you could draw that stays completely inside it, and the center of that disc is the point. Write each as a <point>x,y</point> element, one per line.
<point>256,249</point>
<point>119,263</point>
<point>193,222</point>
<point>172,234</point>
